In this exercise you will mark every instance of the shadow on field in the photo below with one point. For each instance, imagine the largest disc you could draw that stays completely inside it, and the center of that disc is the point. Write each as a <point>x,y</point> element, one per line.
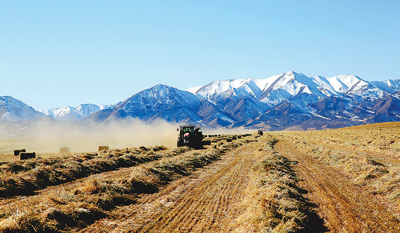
<point>315,223</point>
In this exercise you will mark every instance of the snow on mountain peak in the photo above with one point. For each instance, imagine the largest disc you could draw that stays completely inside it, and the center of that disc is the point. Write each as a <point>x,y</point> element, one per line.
<point>390,86</point>
<point>346,83</point>
<point>74,113</point>
<point>229,88</point>
<point>160,95</point>
<point>194,89</point>
<point>12,109</point>
<point>275,89</point>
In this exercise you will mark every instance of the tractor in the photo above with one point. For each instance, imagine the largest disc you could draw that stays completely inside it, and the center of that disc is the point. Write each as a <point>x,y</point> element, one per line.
<point>191,136</point>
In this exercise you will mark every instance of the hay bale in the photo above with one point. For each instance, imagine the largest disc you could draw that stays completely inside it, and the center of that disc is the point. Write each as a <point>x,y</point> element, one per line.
<point>101,148</point>
<point>26,155</point>
<point>64,149</point>
<point>16,152</point>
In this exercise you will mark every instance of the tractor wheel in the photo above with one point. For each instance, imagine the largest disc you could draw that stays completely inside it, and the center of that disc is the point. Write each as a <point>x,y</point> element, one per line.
<point>180,143</point>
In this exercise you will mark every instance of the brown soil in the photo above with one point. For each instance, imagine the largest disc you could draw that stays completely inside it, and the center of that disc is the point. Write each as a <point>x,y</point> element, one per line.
<point>344,205</point>
<point>205,202</point>
<point>351,175</point>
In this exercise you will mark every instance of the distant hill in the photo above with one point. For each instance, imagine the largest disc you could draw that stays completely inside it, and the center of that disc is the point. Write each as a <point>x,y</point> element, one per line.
<point>287,101</point>
<point>74,113</point>
<point>167,103</point>
<point>13,110</point>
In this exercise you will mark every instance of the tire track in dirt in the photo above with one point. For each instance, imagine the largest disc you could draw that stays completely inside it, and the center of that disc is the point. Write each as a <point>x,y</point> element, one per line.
<point>205,207</point>
<point>208,201</point>
<point>345,206</point>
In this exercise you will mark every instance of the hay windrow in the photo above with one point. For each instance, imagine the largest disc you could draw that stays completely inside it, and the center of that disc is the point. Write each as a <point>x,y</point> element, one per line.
<point>71,210</point>
<point>368,154</point>
<point>275,202</point>
<point>23,178</point>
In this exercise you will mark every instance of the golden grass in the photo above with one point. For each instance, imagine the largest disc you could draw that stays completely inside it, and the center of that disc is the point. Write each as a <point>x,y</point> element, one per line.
<point>358,172</point>
<point>24,177</point>
<point>369,153</point>
<point>274,201</point>
<point>72,209</point>
<point>24,222</point>
<point>361,163</point>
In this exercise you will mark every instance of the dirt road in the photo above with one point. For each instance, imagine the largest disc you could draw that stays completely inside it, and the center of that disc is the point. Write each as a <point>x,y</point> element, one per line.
<point>205,202</point>
<point>344,205</point>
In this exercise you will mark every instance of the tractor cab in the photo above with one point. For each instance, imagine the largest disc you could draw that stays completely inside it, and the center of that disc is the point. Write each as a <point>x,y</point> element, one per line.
<point>190,135</point>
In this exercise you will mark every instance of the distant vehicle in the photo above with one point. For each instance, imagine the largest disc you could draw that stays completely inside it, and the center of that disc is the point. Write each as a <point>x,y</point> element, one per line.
<point>191,136</point>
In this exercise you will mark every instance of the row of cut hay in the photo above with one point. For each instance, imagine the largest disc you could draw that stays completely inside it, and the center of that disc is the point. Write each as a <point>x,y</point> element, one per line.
<point>166,170</point>
<point>75,215</point>
<point>368,163</point>
<point>26,221</point>
<point>47,174</point>
<point>226,138</point>
<point>147,178</point>
<point>96,197</point>
<point>274,201</point>
<point>26,165</point>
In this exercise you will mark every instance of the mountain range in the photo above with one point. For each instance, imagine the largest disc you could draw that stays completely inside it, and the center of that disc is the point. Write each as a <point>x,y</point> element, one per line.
<point>287,101</point>
<point>74,113</point>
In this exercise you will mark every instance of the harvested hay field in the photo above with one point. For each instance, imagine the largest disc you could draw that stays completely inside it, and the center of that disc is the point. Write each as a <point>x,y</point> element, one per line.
<point>343,180</point>
<point>352,174</point>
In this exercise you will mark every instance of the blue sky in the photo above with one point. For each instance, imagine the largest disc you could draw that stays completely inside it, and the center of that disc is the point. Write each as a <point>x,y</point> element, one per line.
<point>59,53</point>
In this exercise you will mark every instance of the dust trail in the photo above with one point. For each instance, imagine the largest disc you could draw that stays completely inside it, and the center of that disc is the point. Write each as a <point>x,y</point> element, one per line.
<point>47,136</point>
<point>239,130</point>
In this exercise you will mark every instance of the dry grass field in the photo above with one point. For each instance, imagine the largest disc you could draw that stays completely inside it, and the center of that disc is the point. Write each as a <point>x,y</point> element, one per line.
<point>352,174</point>
<point>344,180</point>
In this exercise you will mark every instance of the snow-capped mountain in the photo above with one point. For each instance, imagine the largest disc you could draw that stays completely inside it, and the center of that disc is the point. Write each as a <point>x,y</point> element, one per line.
<point>12,110</point>
<point>390,86</point>
<point>74,113</point>
<point>165,102</point>
<point>249,101</point>
<point>287,101</point>
<point>292,98</point>
<point>275,89</point>
<point>16,116</point>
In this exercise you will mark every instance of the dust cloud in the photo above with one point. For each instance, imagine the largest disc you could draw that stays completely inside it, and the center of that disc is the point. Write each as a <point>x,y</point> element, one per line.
<point>47,136</point>
<point>239,130</point>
